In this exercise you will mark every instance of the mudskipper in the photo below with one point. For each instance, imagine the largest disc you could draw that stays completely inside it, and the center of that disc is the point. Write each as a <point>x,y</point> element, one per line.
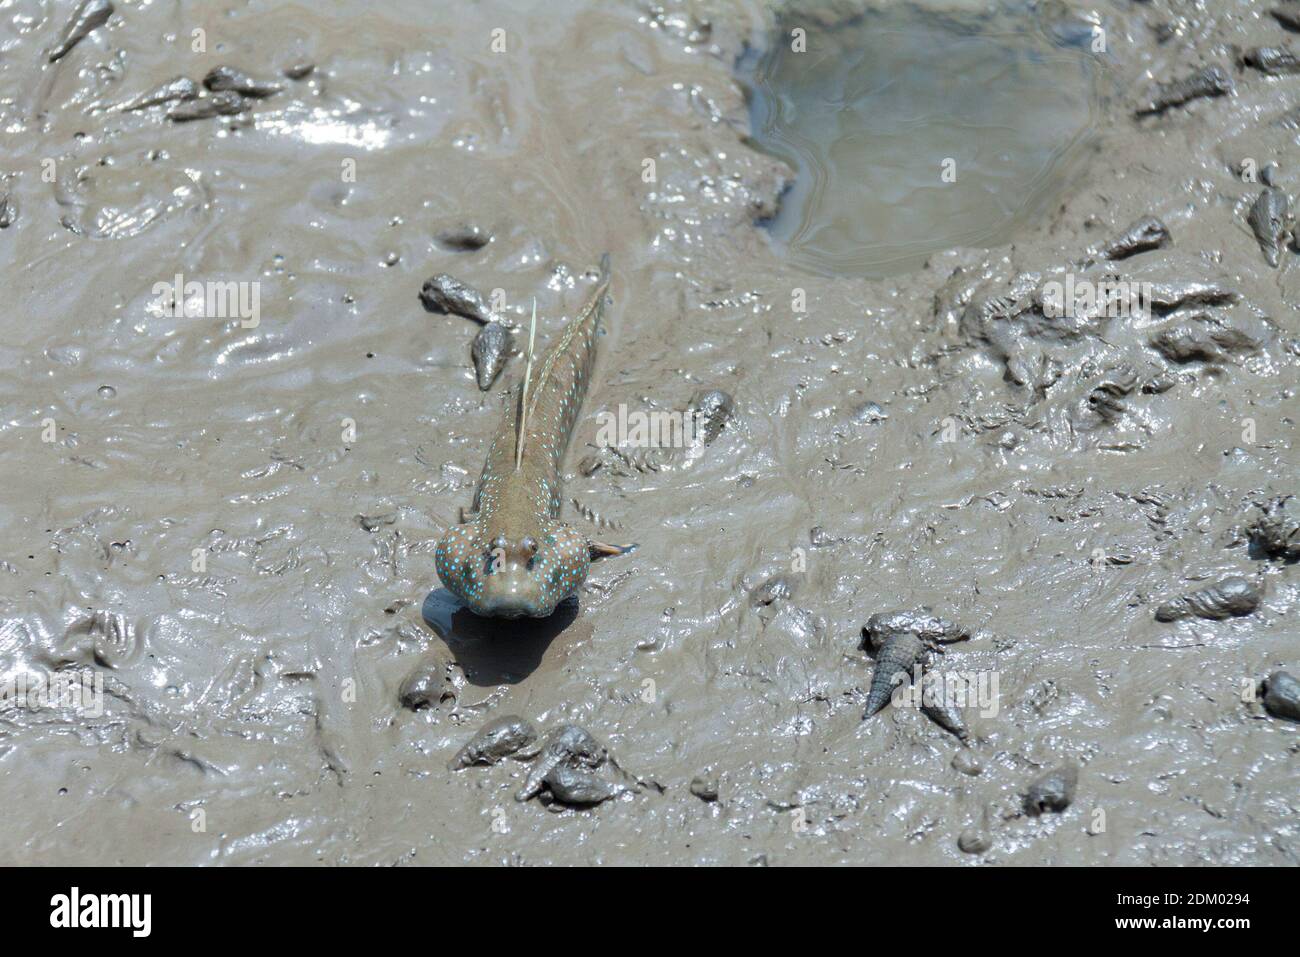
<point>513,557</point>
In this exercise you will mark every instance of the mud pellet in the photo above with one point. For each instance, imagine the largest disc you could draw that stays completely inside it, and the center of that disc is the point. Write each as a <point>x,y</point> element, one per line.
<point>299,69</point>
<point>221,79</point>
<point>463,239</point>
<point>705,786</point>
<point>572,785</point>
<point>496,740</point>
<point>1230,597</point>
<point>181,88</point>
<point>226,103</point>
<point>921,622</point>
<point>1268,218</point>
<point>1275,61</point>
<point>1282,696</point>
<point>869,413</point>
<point>425,687</point>
<point>1159,384</point>
<point>1147,234</point>
<point>372,523</point>
<point>490,351</point>
<point>936,706</point>
<point>1053,791</point>
<point>1276,532</point>
<point>1210,81</point>
<point>974,840</point>
<point>711,410</point>
<point>777,588</point>
<point>90,15</point>
<point>1167,297</point>
<point>447,294</point>
<point>965,762</point>
<point>818,537</point>
<point>894,664</point>
<point>1287,17</point>
<point>568,745</point>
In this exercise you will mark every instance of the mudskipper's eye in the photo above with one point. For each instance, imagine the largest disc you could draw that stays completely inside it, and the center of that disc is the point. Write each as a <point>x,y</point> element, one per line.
<point>530,548</point>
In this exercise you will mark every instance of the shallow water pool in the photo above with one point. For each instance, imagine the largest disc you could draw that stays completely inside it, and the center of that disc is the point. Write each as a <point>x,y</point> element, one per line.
<point>913,131</point>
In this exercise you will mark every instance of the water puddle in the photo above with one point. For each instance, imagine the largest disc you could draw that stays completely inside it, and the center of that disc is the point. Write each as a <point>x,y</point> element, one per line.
<point>913,131</point>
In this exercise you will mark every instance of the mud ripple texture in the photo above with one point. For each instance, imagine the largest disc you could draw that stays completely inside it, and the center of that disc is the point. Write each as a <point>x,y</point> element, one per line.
<point>182,495</point>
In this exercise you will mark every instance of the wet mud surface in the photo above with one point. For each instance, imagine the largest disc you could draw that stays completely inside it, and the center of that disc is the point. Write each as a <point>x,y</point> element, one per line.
<point>230,521</point>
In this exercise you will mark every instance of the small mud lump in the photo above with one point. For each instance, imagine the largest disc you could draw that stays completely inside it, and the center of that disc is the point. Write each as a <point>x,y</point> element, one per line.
<point>571,785</point>
<point>443,293</point>
<point>1276,533</point>
<point>225,103</point>
<point>974,840</point>
<point>89,16</point>
<point>1282,696</point>
<point>463,239</point>
<point>1207,82</point>
<point>1147,234</point>
<point>1230,597</point>
<point>568,745</point>
<point>927,626</point>
<point>711,409</point>
<point>425,687</point>
<point>226,78</point>
<point>492,347</point>
<point>1053,791</point>
<point>1275,61</point>
<point>705,786</point>
<point>894,664</point>
<point>777,588</point>
<point>496,740</point>
<point>1270,220</point>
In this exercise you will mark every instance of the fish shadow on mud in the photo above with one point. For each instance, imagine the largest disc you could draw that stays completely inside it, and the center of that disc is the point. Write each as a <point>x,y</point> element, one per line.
<point>494,651</point>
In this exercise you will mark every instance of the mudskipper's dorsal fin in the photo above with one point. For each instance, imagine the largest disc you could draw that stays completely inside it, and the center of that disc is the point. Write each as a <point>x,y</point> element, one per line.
<point>521,420</point>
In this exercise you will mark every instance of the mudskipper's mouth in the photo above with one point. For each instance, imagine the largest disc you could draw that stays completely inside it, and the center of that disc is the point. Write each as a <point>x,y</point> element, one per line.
<point>509,606</point>
<point>510,602</point>
<point>510,592</point>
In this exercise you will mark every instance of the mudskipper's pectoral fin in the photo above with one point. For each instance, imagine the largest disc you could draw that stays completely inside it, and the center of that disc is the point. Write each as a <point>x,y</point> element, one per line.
<point>467,514</point>
<point>601,550</point>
